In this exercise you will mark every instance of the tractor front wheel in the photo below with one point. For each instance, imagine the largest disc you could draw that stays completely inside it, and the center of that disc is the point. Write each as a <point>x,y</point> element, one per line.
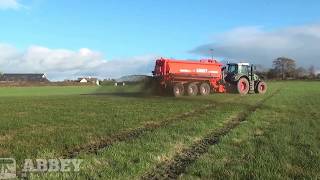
<point>243,86</point>
<point>192,89</point>
<point>178,90</point>
<point>205,89</point>
<point>261,88</point>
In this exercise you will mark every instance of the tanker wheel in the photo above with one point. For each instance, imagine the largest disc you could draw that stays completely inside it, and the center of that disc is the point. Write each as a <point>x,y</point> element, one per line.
<point>205,89</point>
<point>243,86</point>
<point>192,89</point>
<point>178,90</point>
<point>261,88</point>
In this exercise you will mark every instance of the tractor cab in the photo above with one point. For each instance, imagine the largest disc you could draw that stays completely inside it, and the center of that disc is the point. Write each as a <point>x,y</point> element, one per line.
<point>235,70</point>
<point>238,68</point>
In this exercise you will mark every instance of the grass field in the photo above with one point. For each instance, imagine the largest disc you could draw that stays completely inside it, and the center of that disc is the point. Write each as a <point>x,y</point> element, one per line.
<point>121,133</point>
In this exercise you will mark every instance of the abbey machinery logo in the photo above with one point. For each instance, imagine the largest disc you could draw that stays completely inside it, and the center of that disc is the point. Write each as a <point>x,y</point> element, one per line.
<point>7,168</point>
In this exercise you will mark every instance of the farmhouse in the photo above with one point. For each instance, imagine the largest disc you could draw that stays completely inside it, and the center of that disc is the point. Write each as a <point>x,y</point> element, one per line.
<point>89,80</point>
<point>23,77</point>
<point>83,80</point>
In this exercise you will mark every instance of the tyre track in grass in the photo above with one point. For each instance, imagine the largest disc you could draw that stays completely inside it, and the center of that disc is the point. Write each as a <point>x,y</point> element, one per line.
<point>173,168</point>
<point>129,134</point>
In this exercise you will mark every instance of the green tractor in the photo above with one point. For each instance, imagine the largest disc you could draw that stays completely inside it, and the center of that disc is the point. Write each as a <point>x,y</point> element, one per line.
<point>241,79</point>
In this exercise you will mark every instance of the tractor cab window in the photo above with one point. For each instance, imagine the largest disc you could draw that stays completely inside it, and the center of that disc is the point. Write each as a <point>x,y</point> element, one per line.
<point>233,68</point>
<point>243,69</point>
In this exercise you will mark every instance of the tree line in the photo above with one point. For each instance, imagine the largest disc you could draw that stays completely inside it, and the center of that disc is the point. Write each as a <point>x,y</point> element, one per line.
<point>286,68</point>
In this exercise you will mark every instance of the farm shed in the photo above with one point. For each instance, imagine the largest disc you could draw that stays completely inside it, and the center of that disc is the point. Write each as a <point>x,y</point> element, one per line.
<point>23,77</point>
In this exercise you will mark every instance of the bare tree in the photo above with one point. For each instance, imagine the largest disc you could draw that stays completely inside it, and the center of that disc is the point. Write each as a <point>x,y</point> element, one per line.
<point>261,71</point>
<point>301,73</point>
<point>285,67</point>
<point>312,72</point>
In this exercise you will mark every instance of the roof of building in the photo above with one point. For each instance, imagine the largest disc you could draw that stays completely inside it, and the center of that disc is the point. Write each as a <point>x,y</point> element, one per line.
<point>22,77</point>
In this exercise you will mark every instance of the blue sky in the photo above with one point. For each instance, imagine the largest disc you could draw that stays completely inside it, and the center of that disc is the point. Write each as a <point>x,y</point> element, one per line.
<point>125,29</point>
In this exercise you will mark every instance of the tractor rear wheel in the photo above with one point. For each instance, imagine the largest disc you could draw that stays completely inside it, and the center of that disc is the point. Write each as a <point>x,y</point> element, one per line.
<point>243,86</point>
<point>205,89</point>
<point>192,89</point>
<point>261,88</point>
<point>178,90</point>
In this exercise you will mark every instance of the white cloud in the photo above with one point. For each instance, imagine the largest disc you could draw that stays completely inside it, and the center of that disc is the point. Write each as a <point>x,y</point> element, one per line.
<point>59,64</point>
<point>257,45</point>
<point>10,4</point>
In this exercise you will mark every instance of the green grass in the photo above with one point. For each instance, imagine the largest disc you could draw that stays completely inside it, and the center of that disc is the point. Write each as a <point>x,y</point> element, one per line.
<point>279,140</point>
<point>45,91</point>
<point>53,124</point>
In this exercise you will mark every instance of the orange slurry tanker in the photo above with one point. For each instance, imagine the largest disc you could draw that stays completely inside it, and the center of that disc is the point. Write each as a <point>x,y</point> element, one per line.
<point>183,77</point>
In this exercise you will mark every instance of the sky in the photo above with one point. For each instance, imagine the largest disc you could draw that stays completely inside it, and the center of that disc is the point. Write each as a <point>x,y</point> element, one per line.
<point>111,38</point>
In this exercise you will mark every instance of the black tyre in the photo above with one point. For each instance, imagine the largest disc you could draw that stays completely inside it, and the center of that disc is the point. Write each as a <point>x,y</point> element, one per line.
<point>243,86</point>
<point>192,89</point>
<point>205,89</point>
<point>178,90</point>
<point>261,88</point>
